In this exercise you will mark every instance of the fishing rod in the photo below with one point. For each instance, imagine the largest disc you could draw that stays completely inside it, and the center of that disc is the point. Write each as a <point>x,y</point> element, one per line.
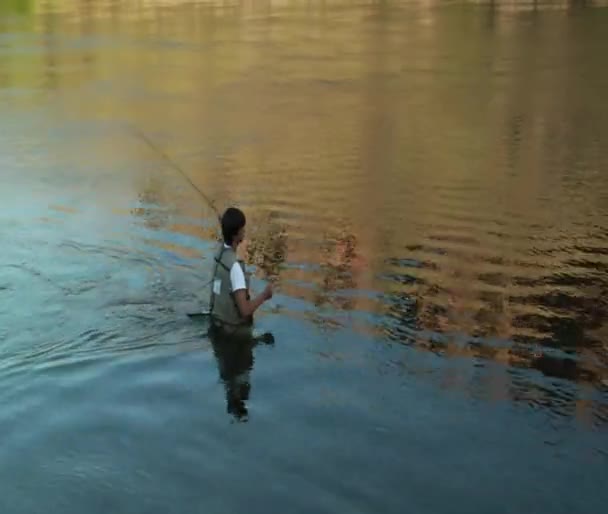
<point>180,170</point>
<point>177,168</point>
<point>155,148</point>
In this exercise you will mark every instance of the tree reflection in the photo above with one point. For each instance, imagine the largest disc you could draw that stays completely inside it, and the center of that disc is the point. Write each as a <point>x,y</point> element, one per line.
<point>338,257</point>
<point>51,80</point>
<point>267,246</point>
<point>16,6</point>
<point>461,144</point>
<point>422,319</point>
<point>153,209</point>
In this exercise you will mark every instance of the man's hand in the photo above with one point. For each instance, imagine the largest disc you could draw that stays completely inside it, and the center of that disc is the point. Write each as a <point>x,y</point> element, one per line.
<point>267,293</point>
<point>248,307</point>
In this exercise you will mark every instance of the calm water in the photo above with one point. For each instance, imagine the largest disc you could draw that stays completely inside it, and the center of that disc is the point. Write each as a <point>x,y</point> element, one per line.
<point>426,183</point>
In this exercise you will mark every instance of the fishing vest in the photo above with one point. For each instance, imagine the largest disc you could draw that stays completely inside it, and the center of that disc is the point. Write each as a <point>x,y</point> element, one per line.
<point>224,309</point>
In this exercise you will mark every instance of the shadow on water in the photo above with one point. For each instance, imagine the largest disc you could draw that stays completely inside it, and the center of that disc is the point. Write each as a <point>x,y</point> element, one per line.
<point>234,355</point>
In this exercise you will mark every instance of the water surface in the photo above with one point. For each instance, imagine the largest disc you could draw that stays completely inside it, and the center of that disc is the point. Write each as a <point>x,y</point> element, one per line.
<point>425,182</point>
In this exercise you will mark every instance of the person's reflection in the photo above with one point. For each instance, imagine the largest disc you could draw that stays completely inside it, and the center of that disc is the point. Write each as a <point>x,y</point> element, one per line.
<point>234,355</point>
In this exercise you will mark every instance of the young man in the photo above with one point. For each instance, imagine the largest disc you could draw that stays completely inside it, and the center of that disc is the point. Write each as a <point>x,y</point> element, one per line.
<point>231,305</point>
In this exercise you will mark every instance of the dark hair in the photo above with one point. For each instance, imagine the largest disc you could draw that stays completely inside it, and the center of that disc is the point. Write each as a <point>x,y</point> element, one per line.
<point>233,220</point>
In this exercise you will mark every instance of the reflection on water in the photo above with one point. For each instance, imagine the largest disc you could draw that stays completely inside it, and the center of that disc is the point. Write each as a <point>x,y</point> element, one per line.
<point>266,246</point>
<point>425,184</point>
<point>336,267</point>
<point>235,363</point>
<point>468,206</point>
<point>234,356</point>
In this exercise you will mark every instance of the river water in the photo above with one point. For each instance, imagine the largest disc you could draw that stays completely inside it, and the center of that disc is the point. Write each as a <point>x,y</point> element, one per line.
<point>426,183</point>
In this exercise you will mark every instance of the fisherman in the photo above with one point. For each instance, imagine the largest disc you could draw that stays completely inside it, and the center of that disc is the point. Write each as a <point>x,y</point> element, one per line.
<point>231,305</point>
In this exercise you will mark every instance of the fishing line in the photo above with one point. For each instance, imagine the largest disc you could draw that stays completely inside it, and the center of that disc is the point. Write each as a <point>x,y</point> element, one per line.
<point>180,170</point>
<point>177,168</point>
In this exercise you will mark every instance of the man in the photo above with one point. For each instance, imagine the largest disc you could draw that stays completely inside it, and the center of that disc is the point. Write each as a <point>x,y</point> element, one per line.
<point>231,305</point>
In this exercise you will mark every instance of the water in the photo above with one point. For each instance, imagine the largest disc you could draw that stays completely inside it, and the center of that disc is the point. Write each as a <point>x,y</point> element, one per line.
<point>427,184</point>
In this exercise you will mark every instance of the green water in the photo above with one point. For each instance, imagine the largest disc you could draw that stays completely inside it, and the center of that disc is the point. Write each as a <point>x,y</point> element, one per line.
<point>425,182</point>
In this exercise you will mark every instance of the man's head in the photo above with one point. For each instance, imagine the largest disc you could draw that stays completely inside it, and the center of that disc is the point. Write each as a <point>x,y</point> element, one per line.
<point>233,226</point>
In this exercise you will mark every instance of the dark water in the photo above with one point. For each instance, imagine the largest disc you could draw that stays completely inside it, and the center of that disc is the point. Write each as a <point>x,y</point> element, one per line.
<point>427,183</point>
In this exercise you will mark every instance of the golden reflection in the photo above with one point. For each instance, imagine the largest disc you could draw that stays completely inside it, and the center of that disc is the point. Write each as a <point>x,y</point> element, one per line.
<point>419,154</point>
<point>338,254</point>
<point>266,246</point>
<point>152,210</point>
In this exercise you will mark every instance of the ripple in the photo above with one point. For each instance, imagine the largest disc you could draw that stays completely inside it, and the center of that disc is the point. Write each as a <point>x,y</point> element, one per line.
<point>428,204</point>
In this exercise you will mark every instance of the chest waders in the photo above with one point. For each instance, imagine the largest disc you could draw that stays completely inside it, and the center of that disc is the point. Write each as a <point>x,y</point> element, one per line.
<point>225,313</point>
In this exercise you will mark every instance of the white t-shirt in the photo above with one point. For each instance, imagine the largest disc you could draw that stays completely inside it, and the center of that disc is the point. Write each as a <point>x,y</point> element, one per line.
<point>237,277</point>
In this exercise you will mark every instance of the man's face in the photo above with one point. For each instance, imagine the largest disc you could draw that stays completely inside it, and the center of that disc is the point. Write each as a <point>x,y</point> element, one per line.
<point>240,235</point>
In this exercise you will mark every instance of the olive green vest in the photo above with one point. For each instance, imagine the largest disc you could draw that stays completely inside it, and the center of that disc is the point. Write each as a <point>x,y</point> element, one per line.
<point>223,304</point>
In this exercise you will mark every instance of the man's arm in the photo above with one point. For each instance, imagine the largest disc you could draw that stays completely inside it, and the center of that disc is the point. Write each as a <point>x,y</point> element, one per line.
<point>248,307</point>
<point>239,289</point>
